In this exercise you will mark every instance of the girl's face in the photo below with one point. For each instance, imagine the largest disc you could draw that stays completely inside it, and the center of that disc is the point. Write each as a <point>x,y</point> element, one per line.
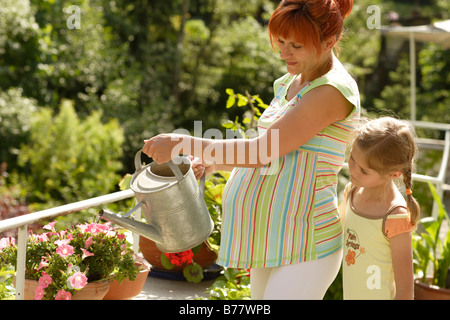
<point>361,174</point>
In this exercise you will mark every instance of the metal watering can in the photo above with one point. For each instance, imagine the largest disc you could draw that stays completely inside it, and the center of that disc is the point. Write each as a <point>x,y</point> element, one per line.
<point>172,203</point>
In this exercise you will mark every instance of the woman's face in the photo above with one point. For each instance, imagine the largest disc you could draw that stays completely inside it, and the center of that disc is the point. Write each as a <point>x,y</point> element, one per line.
<point>299,59</point>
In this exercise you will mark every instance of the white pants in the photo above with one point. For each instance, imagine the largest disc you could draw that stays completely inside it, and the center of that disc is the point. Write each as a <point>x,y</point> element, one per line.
<point>303,281</point>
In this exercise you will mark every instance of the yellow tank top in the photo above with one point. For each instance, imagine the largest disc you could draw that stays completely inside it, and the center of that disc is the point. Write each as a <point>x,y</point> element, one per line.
<point>367,263</point>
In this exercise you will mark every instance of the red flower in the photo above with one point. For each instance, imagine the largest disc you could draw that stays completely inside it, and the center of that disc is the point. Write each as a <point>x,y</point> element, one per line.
<point>179,258</point>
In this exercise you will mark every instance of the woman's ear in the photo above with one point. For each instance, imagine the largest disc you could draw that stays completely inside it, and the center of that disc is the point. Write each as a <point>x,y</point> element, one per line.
<point>329,44</point>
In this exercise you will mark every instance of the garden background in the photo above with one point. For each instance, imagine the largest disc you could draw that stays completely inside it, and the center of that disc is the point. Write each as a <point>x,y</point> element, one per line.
<point>77,103</point>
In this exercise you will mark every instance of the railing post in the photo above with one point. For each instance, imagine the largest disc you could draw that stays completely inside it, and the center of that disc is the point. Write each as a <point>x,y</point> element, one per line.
<point>21,261</point>
<point>137,216</point>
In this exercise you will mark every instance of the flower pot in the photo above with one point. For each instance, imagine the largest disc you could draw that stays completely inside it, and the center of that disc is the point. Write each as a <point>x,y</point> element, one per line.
<point>127,289</point>
<point>205,257</point>
<point>92,291</point>
<point>426,291</point>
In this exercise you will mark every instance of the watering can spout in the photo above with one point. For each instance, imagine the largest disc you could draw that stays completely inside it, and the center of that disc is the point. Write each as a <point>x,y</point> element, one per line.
<point>140,228</point>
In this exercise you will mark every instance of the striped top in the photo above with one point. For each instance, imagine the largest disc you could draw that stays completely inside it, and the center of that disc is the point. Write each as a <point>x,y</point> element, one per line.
<point>286,212</point>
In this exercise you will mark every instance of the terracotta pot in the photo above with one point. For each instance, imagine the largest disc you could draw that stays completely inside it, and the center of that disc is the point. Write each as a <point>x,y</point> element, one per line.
<point>426,291</point>
<point>127,289</point>
<point>92,291</point>
<point>205,257</point>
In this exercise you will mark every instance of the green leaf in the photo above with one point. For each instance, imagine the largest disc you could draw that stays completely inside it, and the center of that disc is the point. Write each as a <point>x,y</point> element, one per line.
<point>193,273</point>
<point>246,120</point>
<point>196,249</point>
<point>124,184</point>
<point>228,124</point>
<point>231,101</point>
<point>230,92</point>
<point>242,100</point>
<point>166,262</point>
<point>261,104</point>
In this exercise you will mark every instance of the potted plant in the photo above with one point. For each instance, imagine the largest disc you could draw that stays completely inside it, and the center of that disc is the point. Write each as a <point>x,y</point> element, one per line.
<point>191,263</point>
<point>65,264</point>
<point>127,289</point>
<point>432,253</point>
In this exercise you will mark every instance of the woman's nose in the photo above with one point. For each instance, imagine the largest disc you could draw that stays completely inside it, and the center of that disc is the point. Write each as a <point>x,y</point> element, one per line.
<point>285,52</point>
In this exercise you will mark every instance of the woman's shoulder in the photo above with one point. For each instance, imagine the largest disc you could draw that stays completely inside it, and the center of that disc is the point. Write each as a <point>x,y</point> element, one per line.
<point>339,78</point>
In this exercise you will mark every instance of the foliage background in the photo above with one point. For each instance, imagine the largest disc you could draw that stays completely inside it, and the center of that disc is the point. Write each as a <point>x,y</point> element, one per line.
<point>138,68</point>
<point>76,104</point>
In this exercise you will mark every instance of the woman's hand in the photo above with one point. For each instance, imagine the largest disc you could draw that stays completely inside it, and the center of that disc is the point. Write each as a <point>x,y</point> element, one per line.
<point>161,148</point>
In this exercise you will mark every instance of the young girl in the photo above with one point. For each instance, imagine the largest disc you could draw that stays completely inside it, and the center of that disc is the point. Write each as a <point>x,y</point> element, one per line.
<point>377,261</point>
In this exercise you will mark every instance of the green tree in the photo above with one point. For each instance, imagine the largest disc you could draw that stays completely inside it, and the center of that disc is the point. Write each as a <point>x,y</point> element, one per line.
<point>68,159</point>
<point>434,96</point>
<point>15,114</point>
<point>19,44</point>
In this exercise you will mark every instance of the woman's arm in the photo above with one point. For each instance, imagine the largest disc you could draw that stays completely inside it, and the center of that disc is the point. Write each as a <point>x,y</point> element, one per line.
<point>316,110</point>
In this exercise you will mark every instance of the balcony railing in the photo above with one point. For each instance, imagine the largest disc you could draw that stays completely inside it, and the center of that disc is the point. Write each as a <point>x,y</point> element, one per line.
<point>22,222</point>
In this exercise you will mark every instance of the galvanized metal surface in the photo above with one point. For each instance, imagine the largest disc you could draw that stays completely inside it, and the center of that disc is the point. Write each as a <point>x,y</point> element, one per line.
<point>173,205</point>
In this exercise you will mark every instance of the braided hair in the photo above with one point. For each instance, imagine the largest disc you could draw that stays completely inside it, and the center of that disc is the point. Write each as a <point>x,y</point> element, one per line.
<point>390,146</point>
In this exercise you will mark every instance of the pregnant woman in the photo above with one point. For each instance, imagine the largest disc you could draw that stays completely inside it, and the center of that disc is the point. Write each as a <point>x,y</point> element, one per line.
<point>280,216</point>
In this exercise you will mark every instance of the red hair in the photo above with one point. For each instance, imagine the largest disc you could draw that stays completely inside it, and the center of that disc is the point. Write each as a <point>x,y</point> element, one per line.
<point>309,22</point>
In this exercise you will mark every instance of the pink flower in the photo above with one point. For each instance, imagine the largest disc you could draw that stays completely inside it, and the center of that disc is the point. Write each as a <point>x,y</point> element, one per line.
<point>95,228</point>
<point>50,226</point>
<point>121,236</point>
<point>63,295</point>
<point>124,248</point>
<point>62,233</point>
<point>39,293</point>
<point>77,281</point>
<point>6,242</point>
<point>102,227</point>
<point>43,264</point>
<point>61,242</point>
<point>88,242</point>
<point>42,237</point>
<point>64,250</point>
<point>45,280</point>
<point>86,253</point>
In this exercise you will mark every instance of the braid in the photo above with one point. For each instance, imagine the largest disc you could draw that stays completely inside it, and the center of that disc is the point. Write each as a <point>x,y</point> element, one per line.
<point>411,203</point>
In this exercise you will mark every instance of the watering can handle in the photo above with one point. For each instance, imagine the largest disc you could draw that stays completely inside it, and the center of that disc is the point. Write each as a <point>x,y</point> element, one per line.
<point>176,171</point>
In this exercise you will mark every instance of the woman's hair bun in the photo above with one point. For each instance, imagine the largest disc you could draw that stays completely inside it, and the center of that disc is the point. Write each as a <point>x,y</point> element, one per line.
<point>345,6</point>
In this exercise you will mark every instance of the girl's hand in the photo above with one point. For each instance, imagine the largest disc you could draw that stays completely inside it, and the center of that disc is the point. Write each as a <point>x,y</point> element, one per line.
<point>197,167</point>
<point>200,168</point>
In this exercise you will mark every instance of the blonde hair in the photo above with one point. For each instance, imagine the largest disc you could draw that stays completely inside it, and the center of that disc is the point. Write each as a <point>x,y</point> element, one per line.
<point>389,145</point>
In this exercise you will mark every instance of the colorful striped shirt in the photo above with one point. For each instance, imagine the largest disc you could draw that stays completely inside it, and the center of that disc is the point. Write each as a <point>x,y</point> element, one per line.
<point>289,214</point>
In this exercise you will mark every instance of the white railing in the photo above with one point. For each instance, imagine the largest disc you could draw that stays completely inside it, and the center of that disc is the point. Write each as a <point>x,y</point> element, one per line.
<point>22,222</point>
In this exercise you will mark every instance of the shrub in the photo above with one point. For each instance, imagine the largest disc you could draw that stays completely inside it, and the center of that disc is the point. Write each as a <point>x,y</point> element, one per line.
<point>68,159</point>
